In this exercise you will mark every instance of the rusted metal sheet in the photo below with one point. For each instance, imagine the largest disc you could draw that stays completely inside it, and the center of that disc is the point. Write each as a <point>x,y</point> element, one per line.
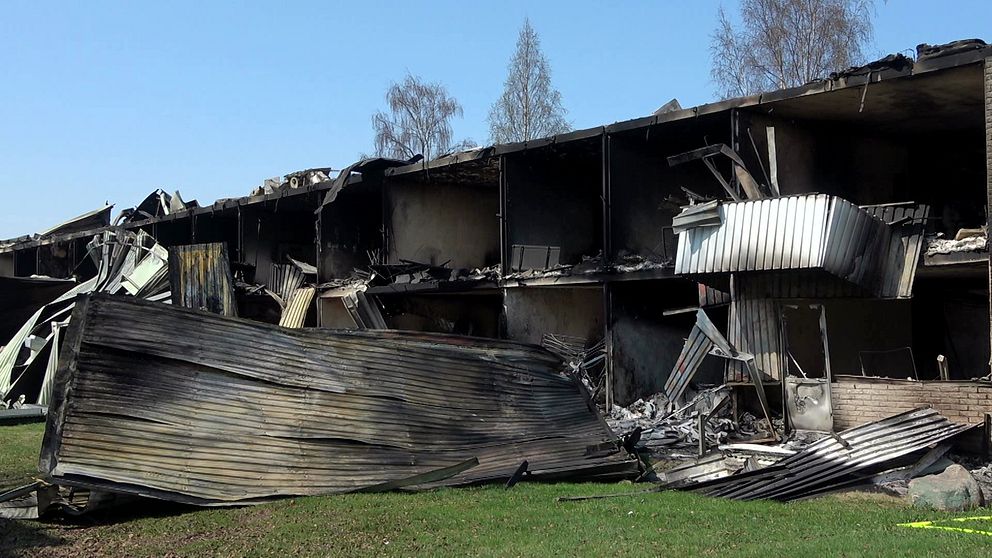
<point>200,276</point>
<point>294,315</point>
<point>195,407</point>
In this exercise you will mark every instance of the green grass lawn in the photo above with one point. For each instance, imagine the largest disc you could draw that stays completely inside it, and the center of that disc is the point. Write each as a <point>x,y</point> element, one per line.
<point>19,448</point>
<point>490,521</point>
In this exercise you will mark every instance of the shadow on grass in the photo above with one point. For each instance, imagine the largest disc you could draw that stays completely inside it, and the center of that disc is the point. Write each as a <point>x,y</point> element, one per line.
<point>59,533</point>
<point>22,420</point>
<point>22,538</point>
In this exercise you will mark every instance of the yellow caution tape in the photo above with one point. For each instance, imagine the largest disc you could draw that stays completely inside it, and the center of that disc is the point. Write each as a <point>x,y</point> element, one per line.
<point>934,525</point>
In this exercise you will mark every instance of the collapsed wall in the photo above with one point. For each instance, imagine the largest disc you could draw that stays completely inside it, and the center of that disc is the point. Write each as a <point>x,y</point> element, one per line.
<point>156,400</point>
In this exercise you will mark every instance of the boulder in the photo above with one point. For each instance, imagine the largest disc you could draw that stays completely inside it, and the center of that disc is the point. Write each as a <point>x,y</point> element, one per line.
<point>952,490</point>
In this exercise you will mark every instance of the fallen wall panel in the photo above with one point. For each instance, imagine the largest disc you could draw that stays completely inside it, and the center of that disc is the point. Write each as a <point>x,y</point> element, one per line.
<point>194,407</point>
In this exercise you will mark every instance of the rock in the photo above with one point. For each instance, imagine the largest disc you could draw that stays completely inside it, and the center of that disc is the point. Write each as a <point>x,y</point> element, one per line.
<point>953,490</point>
<point>896,488</point>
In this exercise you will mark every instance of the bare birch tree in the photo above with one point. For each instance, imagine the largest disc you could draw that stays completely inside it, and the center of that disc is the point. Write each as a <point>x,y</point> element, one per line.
<point>418,121</point>
<point>529,107</point>
<point>786,43</point>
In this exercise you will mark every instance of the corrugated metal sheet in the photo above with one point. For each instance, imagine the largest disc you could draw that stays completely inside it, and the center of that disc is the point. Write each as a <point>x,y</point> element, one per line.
<point>200,408</point>
<point>759,235</point>
<point>111,251</point>
<point>364,310</point>
<point>149,276</point>
<point>200,277</point>
<point>812,232</point>
<point>36,323</point>
<point>709,296</point>
<point>295,313</point>
<point>909,222</point>
<point>696,347</point>
<point>754,327</point>
<point>284,280</point>
<point>797,284</point>
<point>849,458</point>
<point>48,382</point>
<point>700,215</point>
<point>702,337</point>
<point>856,246</point>
<point>20,297</point>
<point>87,221</point>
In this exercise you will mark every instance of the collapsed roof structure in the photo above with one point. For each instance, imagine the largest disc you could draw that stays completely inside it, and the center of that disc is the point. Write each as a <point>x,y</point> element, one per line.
<point>827,244</point>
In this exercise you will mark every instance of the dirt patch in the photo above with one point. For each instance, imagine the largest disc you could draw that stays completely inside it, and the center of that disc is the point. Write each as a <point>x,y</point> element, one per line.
<point>883,498</point>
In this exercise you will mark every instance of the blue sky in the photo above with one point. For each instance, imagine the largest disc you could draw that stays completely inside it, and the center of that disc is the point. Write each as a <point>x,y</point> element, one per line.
<point>106,101</point>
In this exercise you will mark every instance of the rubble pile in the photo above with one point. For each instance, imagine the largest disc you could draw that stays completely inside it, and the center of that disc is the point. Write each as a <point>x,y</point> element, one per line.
<point>937,244</point>
<point>663,428</point>
<point>630,263</point>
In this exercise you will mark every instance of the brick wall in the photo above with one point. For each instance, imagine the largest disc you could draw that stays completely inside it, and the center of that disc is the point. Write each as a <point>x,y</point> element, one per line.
<point>858,400</point>
<point>988,123</point>
<point>988,164</point>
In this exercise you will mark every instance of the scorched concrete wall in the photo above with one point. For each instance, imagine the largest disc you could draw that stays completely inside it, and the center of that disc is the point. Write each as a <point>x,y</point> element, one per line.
<point>435,223</point>
<point>532,312</point>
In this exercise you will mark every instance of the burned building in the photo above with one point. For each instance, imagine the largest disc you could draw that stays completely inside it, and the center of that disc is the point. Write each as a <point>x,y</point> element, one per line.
<point>835,234</point>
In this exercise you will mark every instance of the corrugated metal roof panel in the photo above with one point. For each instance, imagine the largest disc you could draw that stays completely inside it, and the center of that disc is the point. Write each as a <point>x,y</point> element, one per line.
<point>201,408</point>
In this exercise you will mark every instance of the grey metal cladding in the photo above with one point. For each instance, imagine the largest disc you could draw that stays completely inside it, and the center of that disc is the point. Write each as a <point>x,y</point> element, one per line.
<point>842,460</point>
<point>284,279</point>
<point>195,407</point>
<point>757,235</point>
<point>908,226</point>
<point>874,248</point>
